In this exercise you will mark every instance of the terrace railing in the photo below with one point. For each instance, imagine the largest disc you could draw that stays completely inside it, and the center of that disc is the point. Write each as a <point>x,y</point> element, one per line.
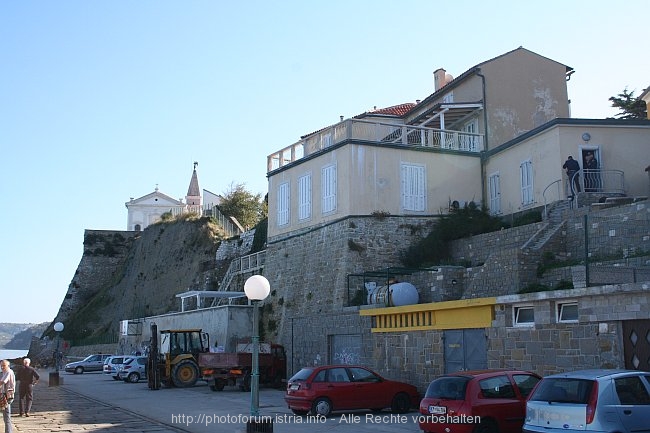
<point>377,132</point>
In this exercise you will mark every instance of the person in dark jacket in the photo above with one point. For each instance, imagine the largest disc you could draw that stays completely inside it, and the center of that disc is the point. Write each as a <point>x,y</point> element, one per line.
<point>572,167</point>
<point>28,377</point>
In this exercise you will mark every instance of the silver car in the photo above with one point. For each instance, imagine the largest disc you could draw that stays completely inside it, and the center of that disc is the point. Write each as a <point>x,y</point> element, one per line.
<point>591,401</point>
<point>133,369</point>
<point>90,363</point>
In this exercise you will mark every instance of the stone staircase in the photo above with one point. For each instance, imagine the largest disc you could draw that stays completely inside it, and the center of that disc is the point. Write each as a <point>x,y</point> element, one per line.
<point>554,222</point>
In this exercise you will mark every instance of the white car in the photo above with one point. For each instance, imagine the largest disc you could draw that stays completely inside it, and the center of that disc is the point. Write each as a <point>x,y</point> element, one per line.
<point>112,365</point>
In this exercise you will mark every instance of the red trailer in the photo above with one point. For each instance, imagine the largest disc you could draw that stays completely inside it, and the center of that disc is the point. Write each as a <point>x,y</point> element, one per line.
<point>235,368</point>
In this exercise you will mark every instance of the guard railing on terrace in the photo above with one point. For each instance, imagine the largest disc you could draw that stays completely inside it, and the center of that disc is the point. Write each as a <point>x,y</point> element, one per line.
<point>378,132</point>
<point>212,211</point>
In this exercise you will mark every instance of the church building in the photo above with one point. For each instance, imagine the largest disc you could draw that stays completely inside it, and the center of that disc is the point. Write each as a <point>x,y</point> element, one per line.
<point>149,208</point>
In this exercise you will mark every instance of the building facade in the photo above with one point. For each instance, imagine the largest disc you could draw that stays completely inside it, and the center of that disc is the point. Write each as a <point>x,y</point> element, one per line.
<point>346,201</point>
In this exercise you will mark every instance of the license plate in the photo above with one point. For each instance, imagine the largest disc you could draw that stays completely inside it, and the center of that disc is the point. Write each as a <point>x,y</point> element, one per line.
<point>438,410</point>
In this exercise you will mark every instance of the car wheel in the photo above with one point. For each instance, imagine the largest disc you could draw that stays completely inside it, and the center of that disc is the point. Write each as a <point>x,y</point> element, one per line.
<point>299,412</point>
<point>116,377</point>
<point>401,403</point>
<point>486,426</point>
<point>133,377</point>
<point>322,406</point>
<point>79,370</point>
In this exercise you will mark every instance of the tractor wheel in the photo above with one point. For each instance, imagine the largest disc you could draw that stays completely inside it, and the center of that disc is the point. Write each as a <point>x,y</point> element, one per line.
<point>185,374</point>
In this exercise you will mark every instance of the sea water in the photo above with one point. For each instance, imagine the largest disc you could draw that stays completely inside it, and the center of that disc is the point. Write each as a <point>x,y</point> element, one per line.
<point>12,353</point>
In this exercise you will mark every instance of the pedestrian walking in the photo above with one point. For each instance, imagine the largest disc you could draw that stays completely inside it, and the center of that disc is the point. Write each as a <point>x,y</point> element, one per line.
<point>28,377</point>
<point>7,388</point>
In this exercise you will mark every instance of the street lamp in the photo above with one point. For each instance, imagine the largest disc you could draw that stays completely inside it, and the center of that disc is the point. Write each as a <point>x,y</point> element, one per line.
<point>58,327</point>
<point>257,288</point>
<point>54,377</point>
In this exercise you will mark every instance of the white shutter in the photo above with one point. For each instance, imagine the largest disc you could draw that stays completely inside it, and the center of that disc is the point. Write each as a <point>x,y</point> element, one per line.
<point>413,187</point>
<point>283,204</point>
<point>328,188</point>
<point>526,173</point>
<point>304,197</point>
<point>495,194</point>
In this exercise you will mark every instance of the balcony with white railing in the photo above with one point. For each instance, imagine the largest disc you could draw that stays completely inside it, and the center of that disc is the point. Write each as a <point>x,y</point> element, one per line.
<point>376,132</point>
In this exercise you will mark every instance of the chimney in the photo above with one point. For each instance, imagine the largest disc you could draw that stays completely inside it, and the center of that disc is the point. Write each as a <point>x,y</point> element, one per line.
<point>439,78</point>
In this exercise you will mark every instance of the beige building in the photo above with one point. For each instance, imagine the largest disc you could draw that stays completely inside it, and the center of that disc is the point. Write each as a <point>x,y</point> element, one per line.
<point>496,135</point>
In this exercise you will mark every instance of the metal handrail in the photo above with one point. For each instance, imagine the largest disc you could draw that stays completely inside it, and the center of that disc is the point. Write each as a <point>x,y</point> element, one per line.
<point>380,132</point>
<point>555,182</point>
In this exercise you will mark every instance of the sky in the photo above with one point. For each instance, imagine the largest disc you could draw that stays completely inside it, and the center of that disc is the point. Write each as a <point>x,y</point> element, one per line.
<point>104,100</point>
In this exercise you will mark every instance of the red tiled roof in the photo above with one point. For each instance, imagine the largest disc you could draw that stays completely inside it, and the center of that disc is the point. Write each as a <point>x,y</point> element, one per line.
<point>395,110</point>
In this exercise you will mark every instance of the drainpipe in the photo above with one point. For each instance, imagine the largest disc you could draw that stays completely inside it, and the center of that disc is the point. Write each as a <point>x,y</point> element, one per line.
<point>485,145</point>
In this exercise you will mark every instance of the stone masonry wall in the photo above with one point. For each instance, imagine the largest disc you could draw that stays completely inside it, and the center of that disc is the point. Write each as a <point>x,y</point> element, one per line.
<point>308,276</point>
<point>595,341</point>
<point>478,249</point>
<point>623,230</point>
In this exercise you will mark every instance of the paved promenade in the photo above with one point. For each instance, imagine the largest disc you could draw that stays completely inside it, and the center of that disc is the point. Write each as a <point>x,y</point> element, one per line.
<point>93,402</point>
<point>59,409</point>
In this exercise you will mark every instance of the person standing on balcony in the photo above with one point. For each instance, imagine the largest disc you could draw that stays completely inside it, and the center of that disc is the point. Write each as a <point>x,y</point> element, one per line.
<point>572,167</point>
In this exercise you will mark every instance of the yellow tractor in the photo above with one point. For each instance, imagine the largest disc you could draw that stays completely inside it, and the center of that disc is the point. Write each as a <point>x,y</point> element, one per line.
<point>175,361</point>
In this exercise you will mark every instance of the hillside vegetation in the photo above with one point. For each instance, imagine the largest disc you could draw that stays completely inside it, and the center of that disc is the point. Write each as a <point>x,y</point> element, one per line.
<point>165,259</point>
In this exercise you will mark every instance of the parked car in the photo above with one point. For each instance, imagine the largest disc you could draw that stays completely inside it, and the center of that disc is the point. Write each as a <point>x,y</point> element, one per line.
<point>590,401</point>
<point>479,401</point>
<point>90,363</point>
<point>133,369</point>
<point>324,389</point>
<point>111,366</point>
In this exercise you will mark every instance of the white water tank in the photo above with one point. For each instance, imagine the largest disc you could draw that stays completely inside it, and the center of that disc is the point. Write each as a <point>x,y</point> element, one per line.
<point>393,295</point>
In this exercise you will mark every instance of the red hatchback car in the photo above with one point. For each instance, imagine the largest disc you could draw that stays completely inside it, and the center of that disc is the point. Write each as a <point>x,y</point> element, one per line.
<point>481,401</point>
<point>321,390</point>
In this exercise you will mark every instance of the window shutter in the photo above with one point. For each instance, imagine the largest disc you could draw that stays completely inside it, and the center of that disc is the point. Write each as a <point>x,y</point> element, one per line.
<point>413,187</point>
<point>304,197</point>
<point>283,204</point>
<point>328,188</point>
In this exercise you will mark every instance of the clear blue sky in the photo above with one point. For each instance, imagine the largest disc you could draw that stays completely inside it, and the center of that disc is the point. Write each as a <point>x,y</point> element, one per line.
<point>102,100</point>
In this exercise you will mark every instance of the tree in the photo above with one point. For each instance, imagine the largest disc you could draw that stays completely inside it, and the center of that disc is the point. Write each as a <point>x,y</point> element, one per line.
<point>246,207</point>
<point>631,107</point>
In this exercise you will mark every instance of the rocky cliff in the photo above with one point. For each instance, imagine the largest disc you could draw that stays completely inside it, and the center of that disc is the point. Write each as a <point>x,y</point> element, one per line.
<point>126,275</point>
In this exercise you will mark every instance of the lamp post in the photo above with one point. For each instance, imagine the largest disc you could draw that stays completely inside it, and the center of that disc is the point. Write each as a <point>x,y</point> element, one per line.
<point>58,327</point>
<point>54,377</point>
<point>257,288</point>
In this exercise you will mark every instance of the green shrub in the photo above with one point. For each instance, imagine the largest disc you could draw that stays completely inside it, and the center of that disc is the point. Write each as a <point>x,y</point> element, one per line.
<point>532,288</point>
<point>527,218</point>
<point>564,285</point>
<point>459,224</point>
